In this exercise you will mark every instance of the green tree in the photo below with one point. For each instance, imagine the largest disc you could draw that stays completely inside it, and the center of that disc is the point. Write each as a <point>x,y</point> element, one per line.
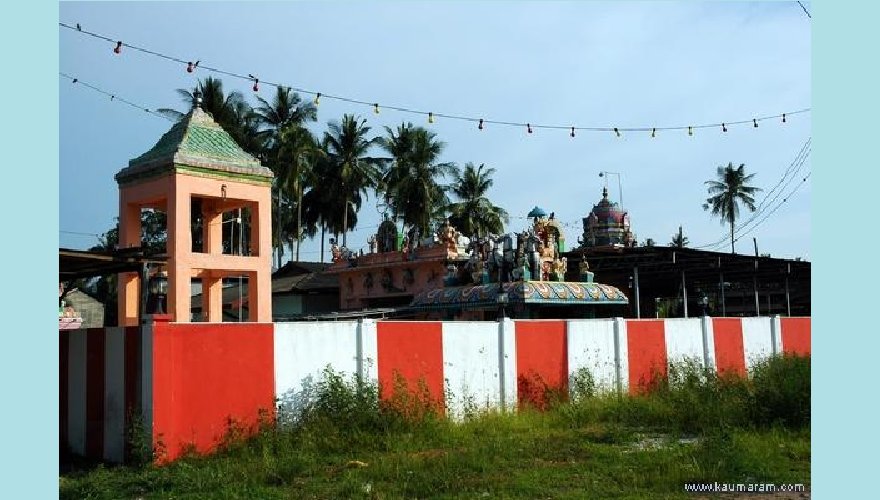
<point>412,183</point>
<point>318,202</point>
<point>346,147</point>
<point>298,152</point>
<point>474,214</point>
<point>727,191</point>
<point>231,111</point>
<point>154,235</point>
<point>286,112</point>
<point>679,240</point>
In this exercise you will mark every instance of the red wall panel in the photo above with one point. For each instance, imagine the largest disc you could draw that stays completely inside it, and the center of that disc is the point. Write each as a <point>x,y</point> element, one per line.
<point>796,336</point>
<point>206,374</point>
<point>95,366</point>
<point>646,345</point>
<point>132,378</point>
<point>413,351</point>
<point>541,360</point>
<point>63,364</point>
<point>729,352</point>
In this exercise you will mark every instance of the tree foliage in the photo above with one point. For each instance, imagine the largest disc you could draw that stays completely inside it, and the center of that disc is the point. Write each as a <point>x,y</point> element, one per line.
<point>727,191</point>
<point>473,213</point>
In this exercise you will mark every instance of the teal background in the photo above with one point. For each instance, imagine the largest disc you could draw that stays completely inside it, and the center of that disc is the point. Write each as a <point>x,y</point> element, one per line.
<point>845,340</point>
<point>845,337</point>
<point>29,251</point>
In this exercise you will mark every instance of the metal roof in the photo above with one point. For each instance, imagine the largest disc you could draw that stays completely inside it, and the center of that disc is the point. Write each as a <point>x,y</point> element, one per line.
<point>75,264</point>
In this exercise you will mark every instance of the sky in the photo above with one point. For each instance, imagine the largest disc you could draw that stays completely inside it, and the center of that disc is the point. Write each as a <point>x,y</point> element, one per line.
<point>583,64</point>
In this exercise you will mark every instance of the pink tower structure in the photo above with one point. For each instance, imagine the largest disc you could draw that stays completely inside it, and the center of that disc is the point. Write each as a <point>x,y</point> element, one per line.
<point>197,159</point>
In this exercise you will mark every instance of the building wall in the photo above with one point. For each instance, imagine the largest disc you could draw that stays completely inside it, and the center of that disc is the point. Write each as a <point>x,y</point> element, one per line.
<point>187,382</point>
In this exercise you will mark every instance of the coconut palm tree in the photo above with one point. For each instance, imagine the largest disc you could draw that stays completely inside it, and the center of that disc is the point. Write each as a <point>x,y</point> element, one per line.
<point>231,112</point>
<point>411,184</point>
<point>318,202</point>
<point>727,192</point>
<point>679,240</point>
<point>287,110</point>
<point>298,151</point>
<point>346,147</point>
<point>474,214</point>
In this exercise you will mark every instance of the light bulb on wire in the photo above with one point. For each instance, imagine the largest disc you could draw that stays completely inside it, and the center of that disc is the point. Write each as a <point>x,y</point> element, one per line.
<point>480,126</point>
<point>572,132</point>
<point>691,131</point>
<point>617,132</point>
<point>376,108</point>
<point>118,48</point>
<point>317,98</point>
<point>430,117</point>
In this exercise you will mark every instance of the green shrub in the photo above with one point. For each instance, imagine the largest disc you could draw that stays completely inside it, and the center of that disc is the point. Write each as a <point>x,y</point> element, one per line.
<point>782,391</point>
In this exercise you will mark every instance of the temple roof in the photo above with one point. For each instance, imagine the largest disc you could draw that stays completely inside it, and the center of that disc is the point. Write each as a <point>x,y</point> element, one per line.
<point>198,145</point>
<point>607,210</point>
<point>524,292</point>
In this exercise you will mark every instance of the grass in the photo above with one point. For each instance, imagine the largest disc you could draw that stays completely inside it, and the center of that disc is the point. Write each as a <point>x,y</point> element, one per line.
<point>694,427</point>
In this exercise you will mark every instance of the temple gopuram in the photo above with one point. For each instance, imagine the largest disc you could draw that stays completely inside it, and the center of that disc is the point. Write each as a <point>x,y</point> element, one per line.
<point>450,276</point>
<point>607,226</point>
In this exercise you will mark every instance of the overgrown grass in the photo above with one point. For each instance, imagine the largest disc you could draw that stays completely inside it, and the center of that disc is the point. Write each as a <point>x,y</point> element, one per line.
<point>349,443</point>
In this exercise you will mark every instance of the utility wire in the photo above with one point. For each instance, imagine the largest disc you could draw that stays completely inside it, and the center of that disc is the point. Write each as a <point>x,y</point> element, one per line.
<point>784,200</point>
<point>791,171</point>
<point>805,10</point>
<point>113,96</point>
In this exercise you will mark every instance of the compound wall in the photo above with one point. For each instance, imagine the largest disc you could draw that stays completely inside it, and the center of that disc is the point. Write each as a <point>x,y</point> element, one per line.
<point>189,384</point>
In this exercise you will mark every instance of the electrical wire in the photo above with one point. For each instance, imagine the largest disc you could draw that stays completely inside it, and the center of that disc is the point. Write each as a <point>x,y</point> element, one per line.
<point>113,96</point>
<point>793,168</point>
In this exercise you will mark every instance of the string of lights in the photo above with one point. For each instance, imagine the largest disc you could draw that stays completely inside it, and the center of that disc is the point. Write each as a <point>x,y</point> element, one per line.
<point>113,97</point>
<point>431,116</point>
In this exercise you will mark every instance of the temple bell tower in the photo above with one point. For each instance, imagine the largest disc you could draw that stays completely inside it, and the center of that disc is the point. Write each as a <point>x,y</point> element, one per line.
<point>197,159</point>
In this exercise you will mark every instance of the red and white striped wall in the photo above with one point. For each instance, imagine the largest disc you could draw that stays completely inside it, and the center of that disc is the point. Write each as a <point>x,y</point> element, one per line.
<point>181,382</point>
<point>102,388</point>
<point>186,382</point>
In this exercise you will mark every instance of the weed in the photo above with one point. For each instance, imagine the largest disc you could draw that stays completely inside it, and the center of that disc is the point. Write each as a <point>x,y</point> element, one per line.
<point>593,444</point>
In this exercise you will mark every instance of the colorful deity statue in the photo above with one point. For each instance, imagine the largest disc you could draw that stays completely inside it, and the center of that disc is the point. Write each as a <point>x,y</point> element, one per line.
<point>447,235</point>
<point>335,252</point>
<point>584,270</point>
<point>560,266</point>
<point>522,271</point>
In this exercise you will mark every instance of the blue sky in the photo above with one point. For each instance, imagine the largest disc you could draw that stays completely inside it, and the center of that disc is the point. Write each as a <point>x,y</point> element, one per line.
<point>593,64</point>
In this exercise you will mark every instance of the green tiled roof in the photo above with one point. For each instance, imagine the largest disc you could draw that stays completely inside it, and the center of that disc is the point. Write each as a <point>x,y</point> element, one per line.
<point>195,144</point>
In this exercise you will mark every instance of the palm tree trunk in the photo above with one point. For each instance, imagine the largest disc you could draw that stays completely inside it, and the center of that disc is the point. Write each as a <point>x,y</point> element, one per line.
<point>731,237</point>
<point>344,221</point>
<point>322,241</point>
<point>299,198</point>
<point>278,228</point>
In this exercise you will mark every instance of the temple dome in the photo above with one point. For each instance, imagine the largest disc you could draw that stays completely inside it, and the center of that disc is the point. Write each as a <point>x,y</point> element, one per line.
<point>607,225</point>
<point>607,211</point>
